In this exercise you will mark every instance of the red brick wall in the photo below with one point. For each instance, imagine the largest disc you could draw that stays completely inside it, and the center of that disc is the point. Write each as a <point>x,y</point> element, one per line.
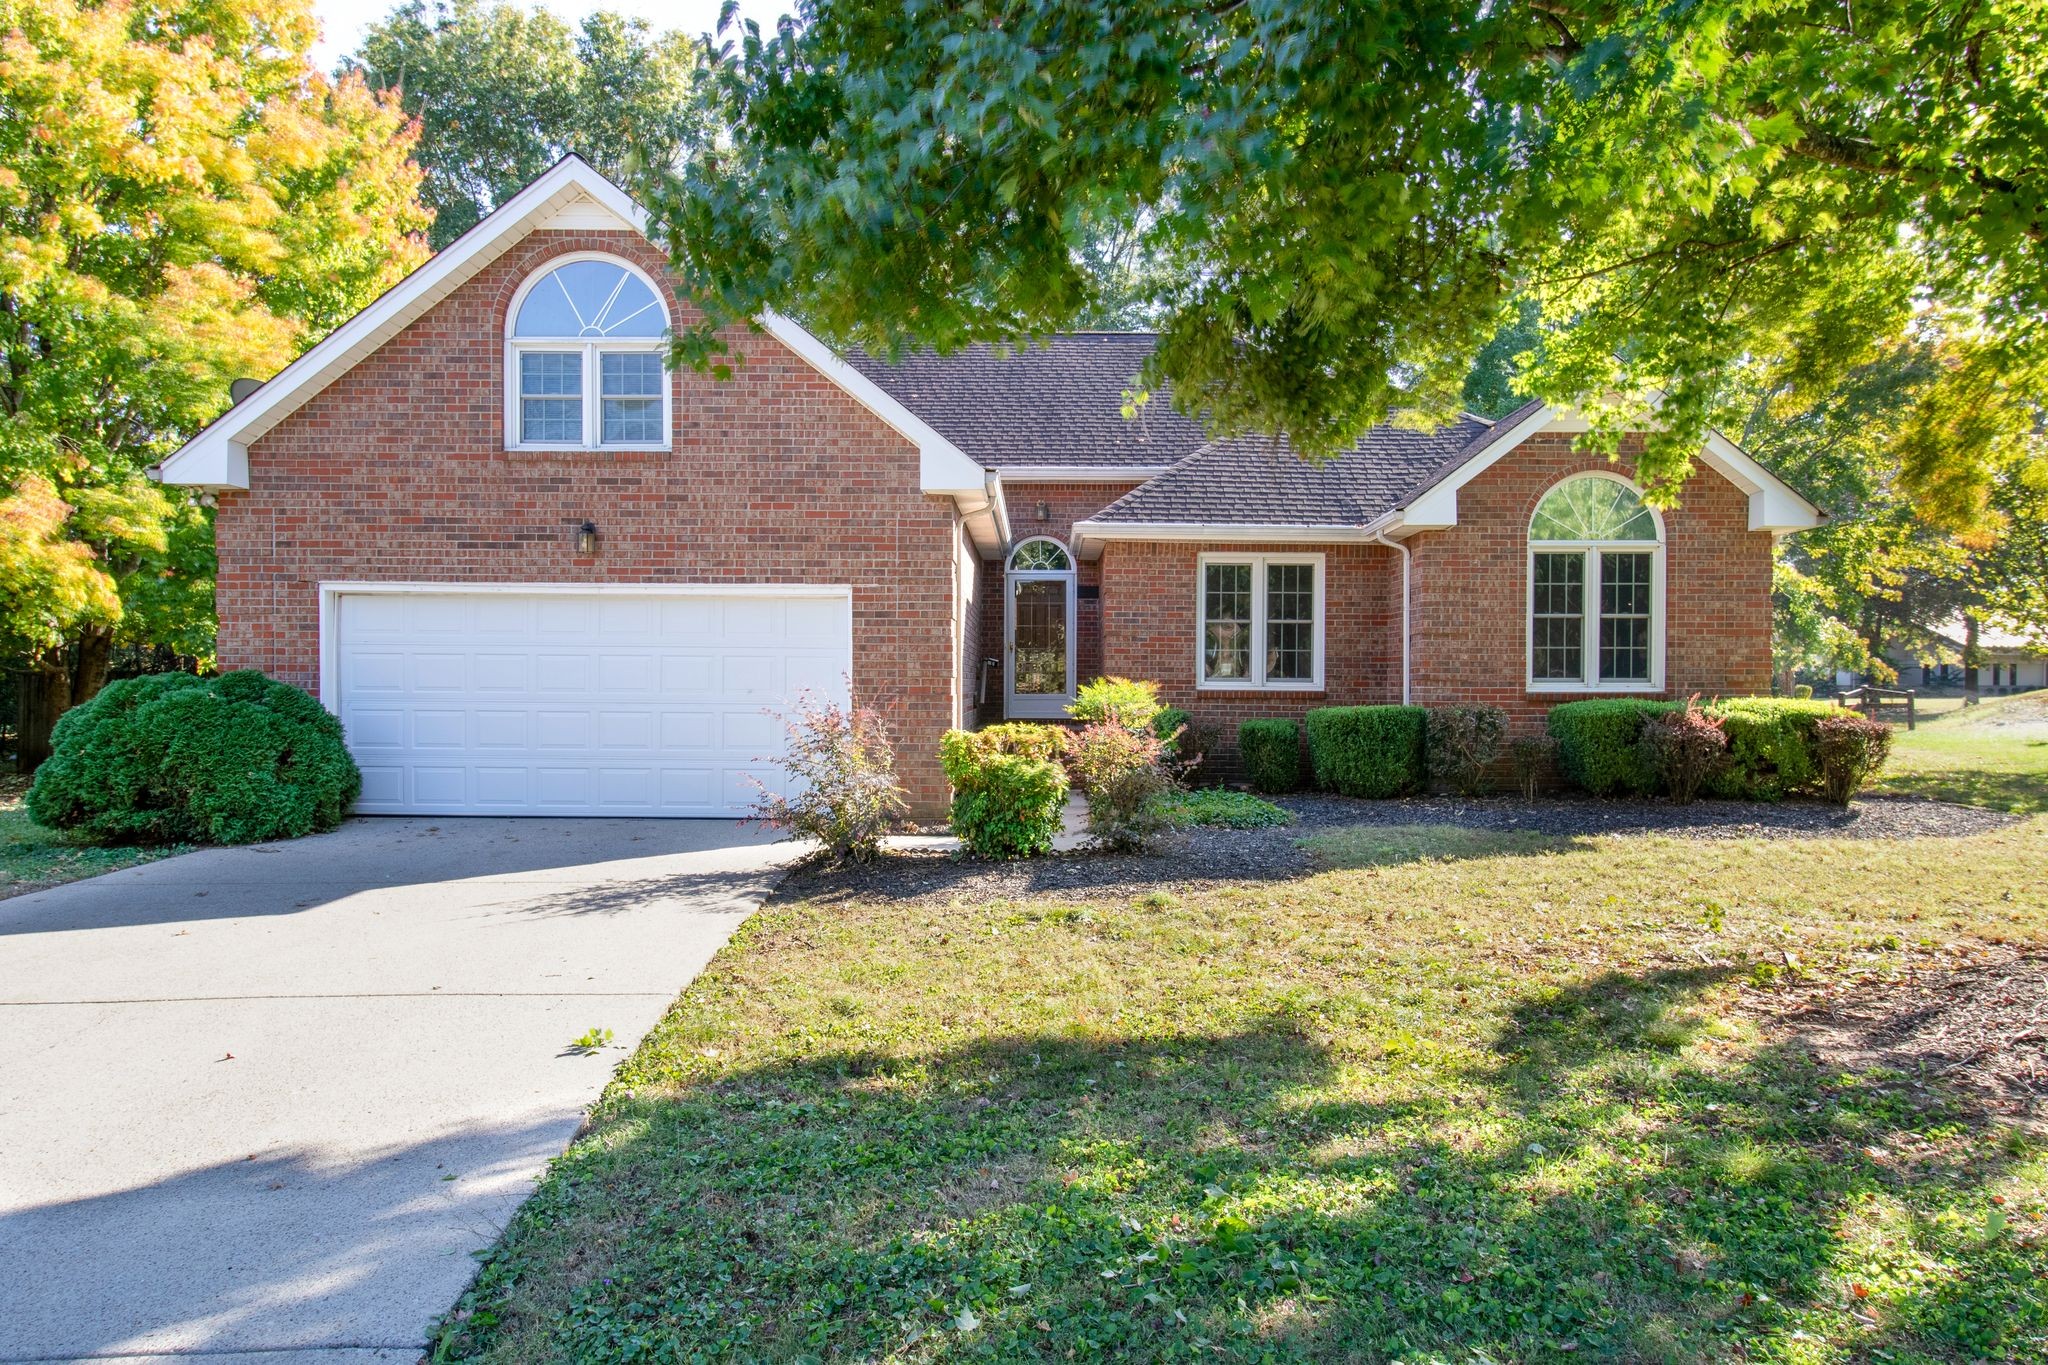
<point>1469,596</point>
<point>1471,588</point>
<point>1065,504</point>
<point>1148,628</point>
<point>398,470</point>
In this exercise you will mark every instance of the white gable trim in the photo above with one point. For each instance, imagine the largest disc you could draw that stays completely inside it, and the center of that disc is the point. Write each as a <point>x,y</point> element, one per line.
<point>570,194</point>
<point>1773,504</point>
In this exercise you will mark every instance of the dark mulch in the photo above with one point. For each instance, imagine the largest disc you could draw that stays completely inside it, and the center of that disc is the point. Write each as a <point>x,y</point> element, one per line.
<point>1977,1023</point>
<point>1210,857</point>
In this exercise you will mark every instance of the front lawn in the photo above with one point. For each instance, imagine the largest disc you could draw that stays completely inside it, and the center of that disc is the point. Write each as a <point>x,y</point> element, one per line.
<point>1994,754</point>
<point>1472,1095</point>
<point>32,857</point>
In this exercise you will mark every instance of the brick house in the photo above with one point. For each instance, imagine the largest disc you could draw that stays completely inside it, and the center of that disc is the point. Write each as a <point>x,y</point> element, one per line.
<point>535,570</point>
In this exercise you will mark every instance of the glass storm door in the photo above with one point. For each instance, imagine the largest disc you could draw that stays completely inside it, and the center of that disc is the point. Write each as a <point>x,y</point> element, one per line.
<point>1038,630</point>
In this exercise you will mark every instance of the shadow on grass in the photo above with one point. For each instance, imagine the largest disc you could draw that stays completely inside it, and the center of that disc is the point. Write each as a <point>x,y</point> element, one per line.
<point>1391,845</point>
<point>1596,1185</point>
<point>2017,793</point>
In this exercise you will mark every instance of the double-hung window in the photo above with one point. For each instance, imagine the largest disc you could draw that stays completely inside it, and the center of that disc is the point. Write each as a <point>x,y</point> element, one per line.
<point>1596,561</point>
<point>1259,620</point>
<point>585,360</point>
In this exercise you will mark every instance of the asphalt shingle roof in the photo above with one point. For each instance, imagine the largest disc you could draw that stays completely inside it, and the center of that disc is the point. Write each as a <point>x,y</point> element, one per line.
<point>1060,403</point>
<point>1251,480</point>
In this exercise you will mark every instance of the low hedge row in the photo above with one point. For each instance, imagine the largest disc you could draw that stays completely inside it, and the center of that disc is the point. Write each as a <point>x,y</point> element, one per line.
<point>1773,746</point>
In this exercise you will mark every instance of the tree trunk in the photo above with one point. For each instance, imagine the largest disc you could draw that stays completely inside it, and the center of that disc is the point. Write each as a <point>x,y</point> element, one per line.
<point>1970,697</point>
<point>43,694</point>
<point>89,674</point>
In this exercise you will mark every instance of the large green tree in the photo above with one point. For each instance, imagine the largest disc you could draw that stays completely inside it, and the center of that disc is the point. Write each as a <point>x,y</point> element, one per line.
<point>1350,195</point>
<point>183,201</point>
<point>1891,563</point>
<point>502,92</point>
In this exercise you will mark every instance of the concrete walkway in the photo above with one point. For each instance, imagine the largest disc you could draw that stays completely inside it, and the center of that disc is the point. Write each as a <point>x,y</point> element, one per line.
<point>270,1099</point>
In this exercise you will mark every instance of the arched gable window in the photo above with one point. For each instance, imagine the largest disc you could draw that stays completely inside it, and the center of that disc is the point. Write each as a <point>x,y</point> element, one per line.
<point>1596,588</point>
<point>585,359</point>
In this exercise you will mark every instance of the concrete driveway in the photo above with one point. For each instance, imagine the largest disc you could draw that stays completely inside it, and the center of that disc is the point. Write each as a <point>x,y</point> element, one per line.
<point>270,1099</point>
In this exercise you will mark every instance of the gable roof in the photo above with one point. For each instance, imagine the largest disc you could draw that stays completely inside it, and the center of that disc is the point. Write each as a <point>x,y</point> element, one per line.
<point>569,194</point>
<point>1045,408</point>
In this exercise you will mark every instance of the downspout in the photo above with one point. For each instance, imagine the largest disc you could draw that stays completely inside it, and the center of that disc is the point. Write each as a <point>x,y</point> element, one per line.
<point>1379,537</point>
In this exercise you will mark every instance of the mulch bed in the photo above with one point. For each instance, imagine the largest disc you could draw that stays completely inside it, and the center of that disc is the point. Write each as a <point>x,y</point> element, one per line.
<point>1211,857</point>
<point>1975,1022</point>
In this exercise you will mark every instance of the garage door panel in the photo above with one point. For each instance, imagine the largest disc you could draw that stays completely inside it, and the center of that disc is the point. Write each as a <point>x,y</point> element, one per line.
<point>440,786</point>
<point>617,673</point>
<point>440,730</point>
<point>501,671</point>
<point>567,703</point>
<point>374,671</point>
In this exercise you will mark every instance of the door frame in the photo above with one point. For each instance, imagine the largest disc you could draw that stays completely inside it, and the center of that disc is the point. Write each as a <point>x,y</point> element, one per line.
<point>1036,706</point>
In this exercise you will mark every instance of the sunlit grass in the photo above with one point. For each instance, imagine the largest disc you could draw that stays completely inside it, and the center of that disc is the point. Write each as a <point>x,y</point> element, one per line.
<point>1463,1097</point>
<point>1994,754</point>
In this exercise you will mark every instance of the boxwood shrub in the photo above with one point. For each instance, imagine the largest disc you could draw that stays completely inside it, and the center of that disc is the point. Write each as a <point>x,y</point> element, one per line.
<point>1271,751</point>
<point>1771,747</point>
<point>1006,804</point>
<point>175,758</point>
<point>1369,751</point>
<point>1597,744</point>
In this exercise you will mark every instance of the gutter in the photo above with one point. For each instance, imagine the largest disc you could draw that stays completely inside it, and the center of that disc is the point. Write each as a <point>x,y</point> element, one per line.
<point>1378,534</point>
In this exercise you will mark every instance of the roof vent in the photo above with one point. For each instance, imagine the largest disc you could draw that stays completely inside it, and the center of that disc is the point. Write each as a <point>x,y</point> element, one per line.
<point>241,389</point>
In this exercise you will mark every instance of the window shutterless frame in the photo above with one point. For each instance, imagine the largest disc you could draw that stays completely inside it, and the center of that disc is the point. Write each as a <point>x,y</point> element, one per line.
<point>590,351</point>
<point>1255,679</point>
<point>1596,561</point>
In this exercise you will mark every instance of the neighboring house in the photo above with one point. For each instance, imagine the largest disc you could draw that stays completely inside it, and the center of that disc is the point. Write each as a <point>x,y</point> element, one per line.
<point>2007,661</point>
<point>535,570</point>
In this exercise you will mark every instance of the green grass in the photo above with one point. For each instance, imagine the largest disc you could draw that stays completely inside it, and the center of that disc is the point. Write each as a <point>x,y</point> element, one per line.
<point>32,857</point>
<point>1225,809</point>
<point>1462,1099</point>
<point>1994,754</point>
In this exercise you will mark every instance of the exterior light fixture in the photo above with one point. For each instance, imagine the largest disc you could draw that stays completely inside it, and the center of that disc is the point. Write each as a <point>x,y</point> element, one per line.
<point>1044,510</point>
<point>586,538</point>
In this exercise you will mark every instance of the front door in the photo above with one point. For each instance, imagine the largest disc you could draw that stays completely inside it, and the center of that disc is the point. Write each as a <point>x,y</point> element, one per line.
<point>1038,626</point>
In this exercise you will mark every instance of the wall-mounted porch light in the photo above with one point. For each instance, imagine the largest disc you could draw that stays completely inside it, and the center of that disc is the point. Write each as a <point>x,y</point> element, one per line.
<point>586,538</point>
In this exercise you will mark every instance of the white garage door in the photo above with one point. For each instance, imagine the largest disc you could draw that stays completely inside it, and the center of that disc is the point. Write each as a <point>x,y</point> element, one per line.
<point>531,702</point>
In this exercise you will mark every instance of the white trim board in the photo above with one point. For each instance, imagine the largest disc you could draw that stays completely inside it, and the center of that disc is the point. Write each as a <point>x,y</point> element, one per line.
<point>1774,505</point>
<point>1091,536</point>
<point>570,193</point>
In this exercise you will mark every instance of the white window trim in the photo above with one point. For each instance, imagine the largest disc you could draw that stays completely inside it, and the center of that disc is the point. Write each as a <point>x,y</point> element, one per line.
<point>590,348</point>
<point>1589,680</point>
<point>1258,682</point>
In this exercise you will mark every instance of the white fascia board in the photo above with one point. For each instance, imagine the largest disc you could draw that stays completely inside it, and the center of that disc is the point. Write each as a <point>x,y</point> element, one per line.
<point>1437,507</point>
<point>943,468</point>
<point>1773,504</point>
<point>1090,536</point>
<point>1081,473</point>
<point>218,457</point>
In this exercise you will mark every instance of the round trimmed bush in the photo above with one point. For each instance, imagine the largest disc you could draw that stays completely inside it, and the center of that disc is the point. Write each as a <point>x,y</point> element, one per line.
<point>173,758</point>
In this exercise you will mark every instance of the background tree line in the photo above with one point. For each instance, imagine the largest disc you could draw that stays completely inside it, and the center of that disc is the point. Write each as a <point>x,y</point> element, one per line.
<point>1823,233</point>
